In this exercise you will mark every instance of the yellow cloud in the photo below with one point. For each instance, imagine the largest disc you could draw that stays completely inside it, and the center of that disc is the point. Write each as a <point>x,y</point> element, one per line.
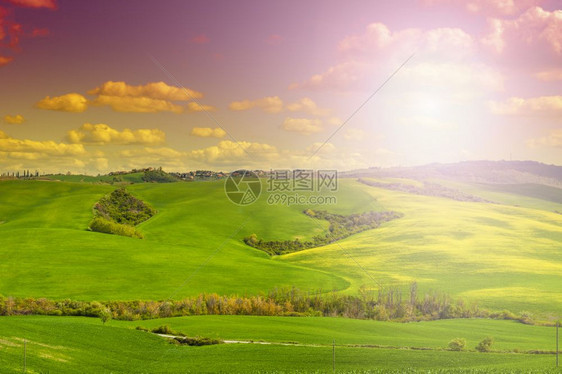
<point>72,102</point>
<point>323,148</point>
<point>156,90</point>
<point>14,120</point>
<point>122,97</point>
<point>137,104</point>
<point>270,104</point>
<point>196,107</point>
<point>25,148</point>
<point>304,126</point>
<point>228,152</point>
<point>207,132</point>
<point>103,134</point>
<point>354,134</point>
<point>162,152</point>
<point>149,98</point>
<point>308,106</point>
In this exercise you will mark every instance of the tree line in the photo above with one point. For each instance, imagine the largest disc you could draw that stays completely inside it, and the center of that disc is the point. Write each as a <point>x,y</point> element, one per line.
<point>341,226</point>
<point>385,304</point>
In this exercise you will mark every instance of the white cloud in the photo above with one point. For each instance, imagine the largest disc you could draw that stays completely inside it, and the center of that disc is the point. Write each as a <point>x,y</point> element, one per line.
<point>533,40</point>
<point>543,106</point>
<point>354,134</point>
<point>489,7</point>
<point>368,58</point>
<point>554,139</point>
<point>550,75</point>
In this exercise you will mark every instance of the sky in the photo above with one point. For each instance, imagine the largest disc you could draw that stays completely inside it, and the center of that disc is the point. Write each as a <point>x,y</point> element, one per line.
<point>98,86</point>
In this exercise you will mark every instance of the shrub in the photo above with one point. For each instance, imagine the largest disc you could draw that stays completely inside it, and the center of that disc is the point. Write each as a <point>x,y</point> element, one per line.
<point>164,329</point>
<point>105,226</point>
<point>122,207</point>
<point>485,345</point>
<point>105,315</point>
<point>198,341</point>
<point>457,344</point>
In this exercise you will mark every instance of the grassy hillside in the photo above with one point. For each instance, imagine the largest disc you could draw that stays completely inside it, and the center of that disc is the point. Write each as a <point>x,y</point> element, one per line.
<point>508,335</point>
<point>499,256</point>
<point>51,254</point>
<point>69,345</point>
<point>496,255</point>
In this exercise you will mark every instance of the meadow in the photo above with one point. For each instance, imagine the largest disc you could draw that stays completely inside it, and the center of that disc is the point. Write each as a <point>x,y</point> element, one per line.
<point>74,344</point>
<point>505,255</point>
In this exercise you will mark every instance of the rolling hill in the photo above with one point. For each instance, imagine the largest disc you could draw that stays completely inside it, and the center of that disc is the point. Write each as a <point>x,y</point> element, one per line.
<point>500,249</point>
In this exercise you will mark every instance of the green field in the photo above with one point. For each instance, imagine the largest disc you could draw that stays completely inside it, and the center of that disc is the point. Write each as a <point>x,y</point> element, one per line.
<point>499,256</point>
<point>71,344</point>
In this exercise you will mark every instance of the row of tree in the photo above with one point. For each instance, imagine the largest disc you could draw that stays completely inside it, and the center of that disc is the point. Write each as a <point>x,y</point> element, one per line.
<point>384,304</point>
<point>341,226</point>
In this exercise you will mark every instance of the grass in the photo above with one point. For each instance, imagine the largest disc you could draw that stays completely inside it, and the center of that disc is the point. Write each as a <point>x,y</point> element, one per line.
<point>509,335</point>
<point>70,344</point>
<point>499,256</point>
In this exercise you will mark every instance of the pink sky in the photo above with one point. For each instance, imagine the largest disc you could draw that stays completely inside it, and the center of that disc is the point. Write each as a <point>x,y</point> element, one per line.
<point>91,87</point>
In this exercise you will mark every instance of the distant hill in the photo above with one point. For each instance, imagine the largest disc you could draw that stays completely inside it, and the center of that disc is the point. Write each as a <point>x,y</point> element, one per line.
<point>493,172</point>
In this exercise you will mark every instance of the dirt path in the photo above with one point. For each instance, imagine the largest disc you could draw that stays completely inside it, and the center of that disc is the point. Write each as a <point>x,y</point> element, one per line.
<point>250,342</point>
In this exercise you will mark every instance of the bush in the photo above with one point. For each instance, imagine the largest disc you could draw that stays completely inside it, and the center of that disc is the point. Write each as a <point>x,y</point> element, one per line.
<point>457,344</point>
<point>164,329</point>
<point>122,207</point>
<point>485,345</point>
<point>105,315</point>
<point>103,225</point>
<point>198,341</point>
